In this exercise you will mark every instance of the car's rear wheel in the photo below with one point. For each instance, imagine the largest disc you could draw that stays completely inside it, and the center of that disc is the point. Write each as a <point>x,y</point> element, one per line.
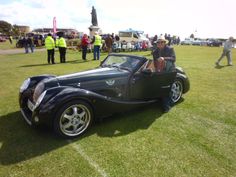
<point>73,119</point>
<point>176,90</point>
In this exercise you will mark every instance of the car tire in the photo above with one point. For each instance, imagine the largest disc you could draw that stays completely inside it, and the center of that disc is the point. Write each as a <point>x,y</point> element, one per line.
<point>73,119</point>
<point>176,90</point>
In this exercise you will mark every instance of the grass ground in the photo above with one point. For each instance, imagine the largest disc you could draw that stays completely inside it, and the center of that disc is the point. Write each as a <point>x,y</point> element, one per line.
<point>196,138</point>
<point>7,45</point>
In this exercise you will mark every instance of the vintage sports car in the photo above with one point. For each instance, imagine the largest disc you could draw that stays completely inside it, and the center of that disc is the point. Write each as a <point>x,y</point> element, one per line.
<point>70,103</point>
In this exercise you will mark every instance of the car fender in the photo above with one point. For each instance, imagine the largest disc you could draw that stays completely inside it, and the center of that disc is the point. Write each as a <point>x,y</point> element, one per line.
<point>184,78</point>
<point>36,79</point>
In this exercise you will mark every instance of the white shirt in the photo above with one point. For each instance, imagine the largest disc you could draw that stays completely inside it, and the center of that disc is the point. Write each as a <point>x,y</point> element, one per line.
<point>228,45</point>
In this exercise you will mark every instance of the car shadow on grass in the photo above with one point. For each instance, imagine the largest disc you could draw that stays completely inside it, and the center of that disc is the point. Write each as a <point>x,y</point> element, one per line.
<point>20,142</point>
<point>125,123</point>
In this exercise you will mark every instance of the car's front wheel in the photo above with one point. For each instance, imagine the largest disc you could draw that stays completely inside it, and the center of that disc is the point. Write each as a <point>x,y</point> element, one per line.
<point>73,119</point>
<point>176,90</point>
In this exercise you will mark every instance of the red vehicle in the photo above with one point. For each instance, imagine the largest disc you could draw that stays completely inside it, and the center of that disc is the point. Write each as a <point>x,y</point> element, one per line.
<point>2,39</point>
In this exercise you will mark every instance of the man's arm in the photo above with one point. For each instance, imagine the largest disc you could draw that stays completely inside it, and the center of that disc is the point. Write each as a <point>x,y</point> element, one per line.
<point>93,40</point>
<point>171,55</point>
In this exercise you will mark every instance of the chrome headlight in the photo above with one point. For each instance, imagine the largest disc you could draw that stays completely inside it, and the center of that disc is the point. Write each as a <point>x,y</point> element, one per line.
<point>25,85</point>
<point>38,91</point>
<point>40,98</point>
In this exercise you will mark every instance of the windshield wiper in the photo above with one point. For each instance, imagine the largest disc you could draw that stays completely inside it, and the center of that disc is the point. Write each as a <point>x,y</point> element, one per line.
<point>105,65</point>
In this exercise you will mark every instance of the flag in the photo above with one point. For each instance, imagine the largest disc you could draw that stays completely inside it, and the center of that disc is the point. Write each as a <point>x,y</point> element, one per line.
<point>54,25</point>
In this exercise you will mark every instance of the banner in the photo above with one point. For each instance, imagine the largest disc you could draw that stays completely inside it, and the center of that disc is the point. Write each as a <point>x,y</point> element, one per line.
<point>54,25</point>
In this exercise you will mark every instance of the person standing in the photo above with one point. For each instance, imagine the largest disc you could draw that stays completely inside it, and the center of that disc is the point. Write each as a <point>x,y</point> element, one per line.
<point>84,45</point>
<point>50,46</point>
<point>62,48</point>
<point>30,41</point>
<point>10,39</point>
<point>226,52</point>
<point>165,53</point>
<point>109,42</point>
<point>25,44</point>
<point>97,43</point>
<point>117,38</point>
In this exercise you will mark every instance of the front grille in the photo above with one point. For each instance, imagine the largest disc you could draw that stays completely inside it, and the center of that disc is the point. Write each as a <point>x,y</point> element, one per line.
<point>27,114</point>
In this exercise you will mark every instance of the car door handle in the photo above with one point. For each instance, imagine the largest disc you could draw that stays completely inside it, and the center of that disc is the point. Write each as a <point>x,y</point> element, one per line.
<point>133,81</point>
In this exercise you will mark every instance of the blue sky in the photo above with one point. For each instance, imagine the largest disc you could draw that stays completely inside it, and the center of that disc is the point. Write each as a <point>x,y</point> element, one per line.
<point>204,18</point>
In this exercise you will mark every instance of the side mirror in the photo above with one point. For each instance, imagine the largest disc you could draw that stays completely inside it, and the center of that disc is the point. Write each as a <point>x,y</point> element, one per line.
<point>147,71</point>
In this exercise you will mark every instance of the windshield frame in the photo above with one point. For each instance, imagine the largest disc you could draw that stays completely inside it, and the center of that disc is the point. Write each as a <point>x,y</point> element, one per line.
<point>124,62</point>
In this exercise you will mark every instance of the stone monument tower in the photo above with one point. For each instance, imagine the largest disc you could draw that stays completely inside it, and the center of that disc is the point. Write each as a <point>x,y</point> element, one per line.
<point>94,27</point>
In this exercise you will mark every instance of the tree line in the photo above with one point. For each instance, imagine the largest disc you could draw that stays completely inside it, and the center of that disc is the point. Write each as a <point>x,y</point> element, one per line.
<point>8,29</point>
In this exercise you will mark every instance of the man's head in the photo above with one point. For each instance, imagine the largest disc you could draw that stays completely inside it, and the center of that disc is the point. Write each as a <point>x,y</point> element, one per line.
<point>96,33</point>
<point>49,34</point>
<point>161,42</point>
<point>231,38</point>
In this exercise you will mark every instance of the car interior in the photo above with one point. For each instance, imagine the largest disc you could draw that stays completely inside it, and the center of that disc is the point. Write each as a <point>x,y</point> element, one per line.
<point>154,66</point>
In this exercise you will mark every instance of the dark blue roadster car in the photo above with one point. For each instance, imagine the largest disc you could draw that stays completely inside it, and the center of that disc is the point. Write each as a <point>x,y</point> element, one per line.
<point>70,103</point>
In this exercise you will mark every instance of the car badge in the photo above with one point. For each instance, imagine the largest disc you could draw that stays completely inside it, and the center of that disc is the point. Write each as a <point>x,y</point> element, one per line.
<point>110,82</point>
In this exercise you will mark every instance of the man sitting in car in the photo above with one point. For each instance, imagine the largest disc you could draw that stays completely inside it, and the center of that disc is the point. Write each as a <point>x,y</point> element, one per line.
<point>165,53</point>
<point>164,59</point>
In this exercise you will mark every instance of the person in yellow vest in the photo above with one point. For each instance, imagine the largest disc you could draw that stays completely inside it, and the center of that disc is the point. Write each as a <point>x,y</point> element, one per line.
<point>62,48</point>
<point>97,43</point>
<point>10,39</point>
<point>56,43</point>
<point>50,46</point>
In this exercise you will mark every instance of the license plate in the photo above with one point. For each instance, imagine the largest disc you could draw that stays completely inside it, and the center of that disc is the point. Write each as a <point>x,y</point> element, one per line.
<point>30,105</point>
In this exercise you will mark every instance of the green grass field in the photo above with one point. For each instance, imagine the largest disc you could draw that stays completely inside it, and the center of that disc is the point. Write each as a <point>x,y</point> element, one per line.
<point>7,45</point>
<point>196,138</point>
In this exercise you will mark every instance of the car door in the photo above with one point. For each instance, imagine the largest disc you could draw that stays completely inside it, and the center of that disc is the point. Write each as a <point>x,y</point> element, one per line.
<point>150,85</point>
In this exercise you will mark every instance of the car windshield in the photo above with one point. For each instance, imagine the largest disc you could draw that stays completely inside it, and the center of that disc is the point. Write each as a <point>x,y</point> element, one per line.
<point>121,62</point>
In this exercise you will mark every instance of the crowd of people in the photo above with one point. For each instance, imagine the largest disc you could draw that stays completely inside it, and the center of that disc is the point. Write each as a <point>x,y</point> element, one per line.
<point>107,43</point>
<point>28,43</point>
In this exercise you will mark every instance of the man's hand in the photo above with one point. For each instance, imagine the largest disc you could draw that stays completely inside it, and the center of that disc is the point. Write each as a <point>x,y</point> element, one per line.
<point>161,59</point>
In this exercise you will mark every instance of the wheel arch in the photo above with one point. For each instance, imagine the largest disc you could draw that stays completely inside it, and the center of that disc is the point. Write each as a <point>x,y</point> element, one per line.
<point>185,81</point>
<point>89,102</point>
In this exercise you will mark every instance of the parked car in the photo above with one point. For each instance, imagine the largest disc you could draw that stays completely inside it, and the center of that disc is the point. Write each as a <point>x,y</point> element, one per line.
<point>199,42</point>
<point>38,40</point>
<point>2,39</point>
<point>214,42</point>
<point>132,36</point>
<point>70,103</point>
<point>187,41</point>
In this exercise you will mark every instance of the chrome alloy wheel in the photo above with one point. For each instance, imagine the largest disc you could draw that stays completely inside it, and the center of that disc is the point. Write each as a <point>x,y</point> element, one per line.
<point>176,91</point>
<point>75,120</point>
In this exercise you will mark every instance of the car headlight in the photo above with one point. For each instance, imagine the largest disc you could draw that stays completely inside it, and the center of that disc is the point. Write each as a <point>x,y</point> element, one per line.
<point>39,100</point>
<point>25,85</point>
<point>38,91</point>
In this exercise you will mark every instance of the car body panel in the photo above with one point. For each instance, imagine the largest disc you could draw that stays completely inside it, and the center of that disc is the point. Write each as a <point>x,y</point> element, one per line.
<point>157,84</point>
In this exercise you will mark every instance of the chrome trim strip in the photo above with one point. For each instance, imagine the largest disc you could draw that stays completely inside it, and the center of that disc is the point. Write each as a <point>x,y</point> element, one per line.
<point>25,117</point>
<point>168,86</point>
